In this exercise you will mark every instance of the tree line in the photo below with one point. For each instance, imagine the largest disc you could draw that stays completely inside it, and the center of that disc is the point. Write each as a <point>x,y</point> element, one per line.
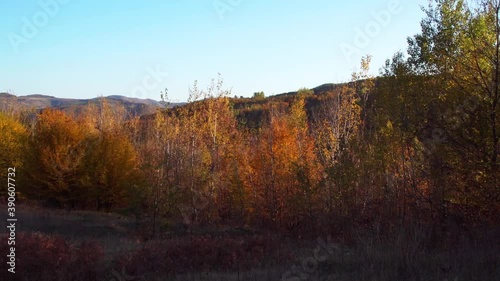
<point>418,144</point>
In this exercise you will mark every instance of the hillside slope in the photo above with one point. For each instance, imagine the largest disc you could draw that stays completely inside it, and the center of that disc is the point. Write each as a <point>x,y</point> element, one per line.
<point>134,106</point>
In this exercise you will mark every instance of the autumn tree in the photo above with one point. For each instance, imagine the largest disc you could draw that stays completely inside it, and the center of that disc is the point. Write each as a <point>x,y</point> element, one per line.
<point>111,171</point>
<point>304,200</point>
<point>283,173</point>
<point>163,160</point>
<point>337,127</point>
<point>218,141</point>
<point>110,163</point>
<point>191,153</point>
<point>13,135</point>
<point>55,158</point>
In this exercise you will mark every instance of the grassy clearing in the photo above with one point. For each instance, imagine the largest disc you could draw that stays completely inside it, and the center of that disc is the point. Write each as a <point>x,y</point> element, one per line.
<point>115,232</point>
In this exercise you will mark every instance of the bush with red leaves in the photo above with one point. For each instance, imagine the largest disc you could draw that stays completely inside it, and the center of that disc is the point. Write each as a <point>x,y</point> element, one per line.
<point>44,257</point>
<point>204,253</point>
<point>50,258</point>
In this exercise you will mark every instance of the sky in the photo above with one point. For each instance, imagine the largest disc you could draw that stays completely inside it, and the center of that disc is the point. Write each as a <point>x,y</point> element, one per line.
<point>90,48</point>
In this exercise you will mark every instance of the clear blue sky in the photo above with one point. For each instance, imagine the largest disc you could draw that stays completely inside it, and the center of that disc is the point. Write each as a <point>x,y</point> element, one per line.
<point>89,48</point>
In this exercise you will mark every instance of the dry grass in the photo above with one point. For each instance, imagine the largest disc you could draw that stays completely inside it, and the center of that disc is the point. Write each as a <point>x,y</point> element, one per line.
<point>404,256</point>
<point>115,232</point>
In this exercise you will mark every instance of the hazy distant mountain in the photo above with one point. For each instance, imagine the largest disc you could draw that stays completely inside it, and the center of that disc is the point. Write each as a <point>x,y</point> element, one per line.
<point>134,106</point>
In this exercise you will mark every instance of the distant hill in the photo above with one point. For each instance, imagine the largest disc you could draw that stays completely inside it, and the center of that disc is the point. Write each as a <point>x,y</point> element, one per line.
<point>134,106</point>
<point>325,88</point>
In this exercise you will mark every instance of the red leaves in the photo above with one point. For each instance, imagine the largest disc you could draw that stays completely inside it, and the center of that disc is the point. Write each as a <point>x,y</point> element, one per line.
<point>204,253</point>
<point>49,257</point>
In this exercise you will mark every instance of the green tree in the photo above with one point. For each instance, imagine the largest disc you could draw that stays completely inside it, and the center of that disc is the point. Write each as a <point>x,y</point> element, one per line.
<point>259,95</point>
<point>450,89</point>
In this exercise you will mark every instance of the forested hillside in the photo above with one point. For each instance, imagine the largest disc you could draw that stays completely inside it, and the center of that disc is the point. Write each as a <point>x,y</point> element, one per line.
<point>12,104</point>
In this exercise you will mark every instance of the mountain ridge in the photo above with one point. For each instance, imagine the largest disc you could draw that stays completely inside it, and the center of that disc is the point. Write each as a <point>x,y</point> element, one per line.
<point>135,106</point>
<point>38,102</point>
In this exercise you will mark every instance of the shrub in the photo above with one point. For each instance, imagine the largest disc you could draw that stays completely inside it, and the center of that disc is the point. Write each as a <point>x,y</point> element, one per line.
<point>49,258</point>
<point>204,253</point>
